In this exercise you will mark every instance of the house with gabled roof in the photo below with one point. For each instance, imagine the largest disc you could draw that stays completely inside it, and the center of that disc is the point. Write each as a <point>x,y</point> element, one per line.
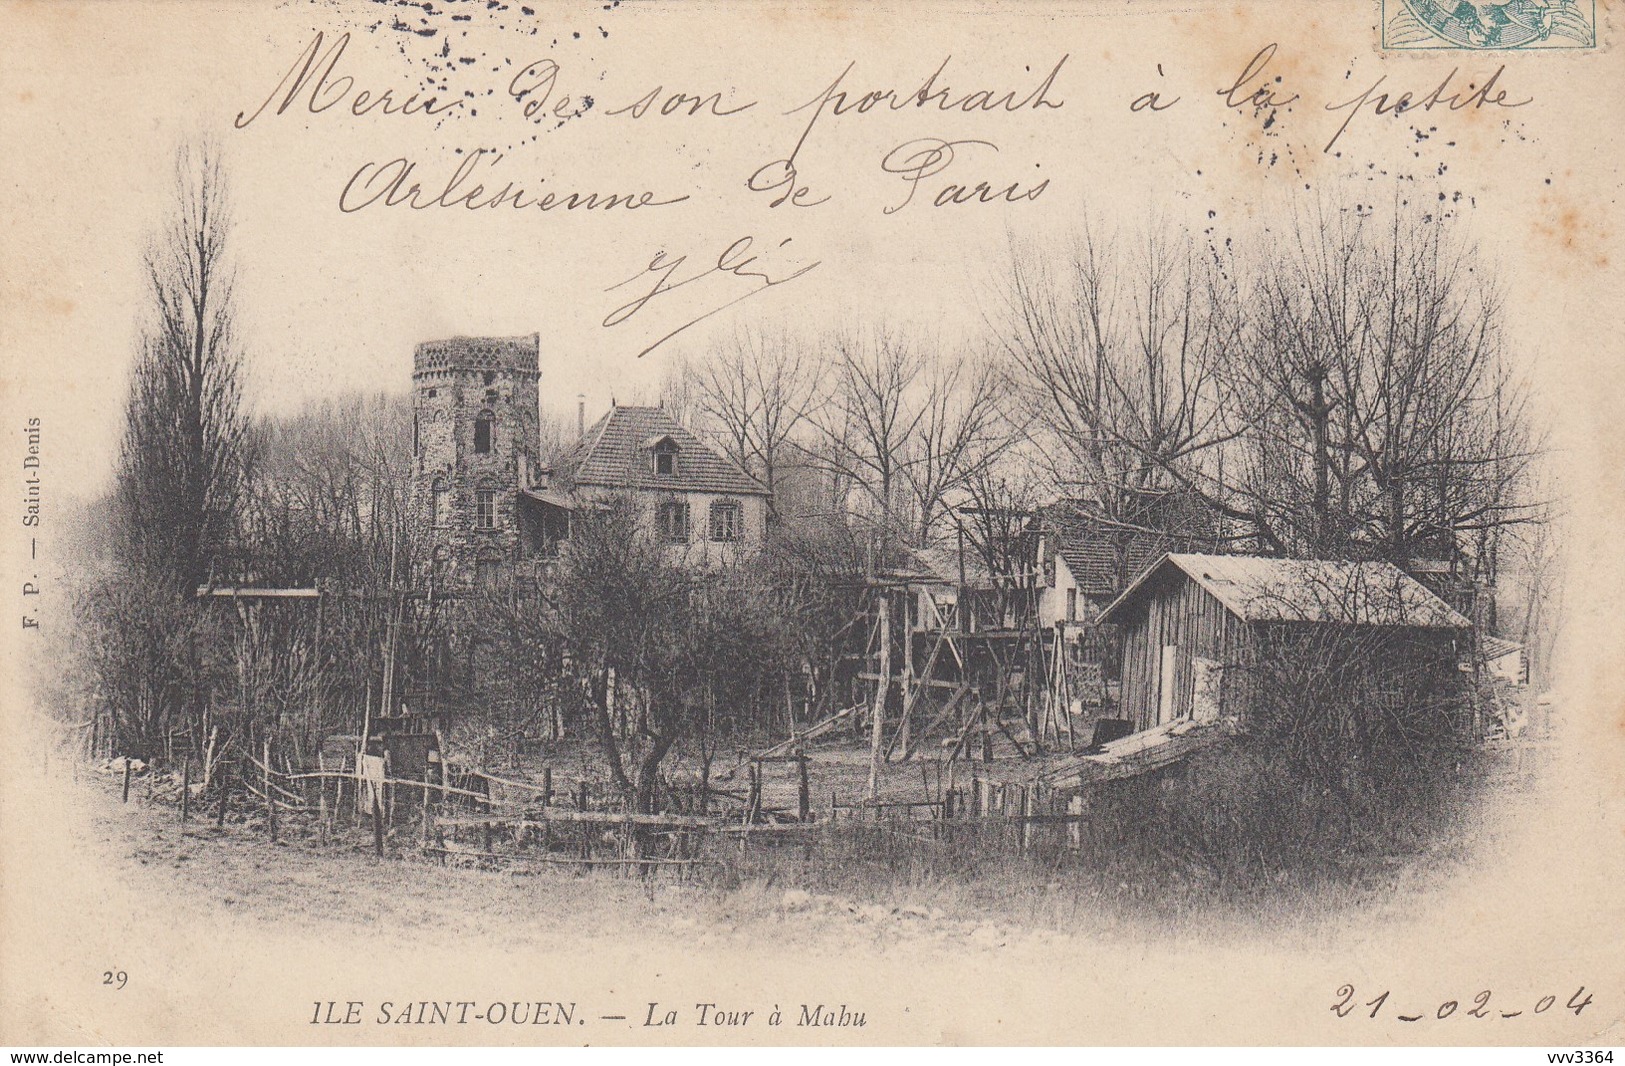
<point>1090,557</point>
<point>696,499</point>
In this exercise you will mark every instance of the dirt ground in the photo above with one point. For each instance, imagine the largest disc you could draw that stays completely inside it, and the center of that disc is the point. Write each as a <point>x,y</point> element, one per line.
<point>226,937</point>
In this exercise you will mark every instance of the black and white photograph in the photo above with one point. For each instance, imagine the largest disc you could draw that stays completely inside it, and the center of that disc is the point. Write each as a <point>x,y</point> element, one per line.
<point>816,523</point>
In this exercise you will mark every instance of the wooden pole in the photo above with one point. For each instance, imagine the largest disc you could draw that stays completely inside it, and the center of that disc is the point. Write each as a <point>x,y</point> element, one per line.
<point>753,808</point>
<point>547,786</point>
<point>321,793</point>
<point>186,789</point>
<point>208,758</point>
<point>225,797</point>
<point>425,806</point>
<point>126,798</point>
<point>377,825</point>
<point>586,828</point>
<point>270,797</point>
<point>878,719</point>
<point>803,792</point>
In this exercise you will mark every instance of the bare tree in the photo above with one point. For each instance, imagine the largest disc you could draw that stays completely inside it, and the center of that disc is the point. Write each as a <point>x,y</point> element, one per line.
<point>1378,398</point>
<point>758,391</point>
<point>870,420</point>
<point>183,456</point>
<point>1119,347</point>
<point>962,432</point>
<point>1349,397</point>
<point>178,489</point>
<point>910,429</point>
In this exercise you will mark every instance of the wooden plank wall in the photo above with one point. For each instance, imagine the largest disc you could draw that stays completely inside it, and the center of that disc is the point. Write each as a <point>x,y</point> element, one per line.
<point>1177,611</point>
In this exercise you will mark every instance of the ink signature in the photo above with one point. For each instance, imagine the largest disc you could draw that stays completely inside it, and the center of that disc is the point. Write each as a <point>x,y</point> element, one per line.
<point>736,260</point>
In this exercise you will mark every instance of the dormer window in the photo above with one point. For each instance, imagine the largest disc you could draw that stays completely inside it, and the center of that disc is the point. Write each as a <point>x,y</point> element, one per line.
<point>666,458</point>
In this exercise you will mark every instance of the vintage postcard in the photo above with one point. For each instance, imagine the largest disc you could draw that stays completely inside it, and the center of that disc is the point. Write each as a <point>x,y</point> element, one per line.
<point>817,523</point>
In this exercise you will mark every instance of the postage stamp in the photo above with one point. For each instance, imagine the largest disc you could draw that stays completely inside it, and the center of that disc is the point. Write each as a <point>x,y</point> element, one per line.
<point>1470,24</point>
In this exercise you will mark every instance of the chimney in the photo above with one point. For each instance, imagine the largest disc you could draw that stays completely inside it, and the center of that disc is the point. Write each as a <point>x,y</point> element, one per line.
<point>581,414</point>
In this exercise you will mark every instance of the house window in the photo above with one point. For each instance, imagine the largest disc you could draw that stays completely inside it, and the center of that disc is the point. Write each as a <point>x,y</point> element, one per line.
<point>666,459</point>
<point>672,521</point>
<point>485,509</point>
<point>1071,605</point>
<point>727,520</point>
<point>442,502</point>
<point>482,433</point>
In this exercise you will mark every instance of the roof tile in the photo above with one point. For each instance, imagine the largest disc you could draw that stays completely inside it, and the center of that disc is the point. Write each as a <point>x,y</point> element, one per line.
<point>615,452</point>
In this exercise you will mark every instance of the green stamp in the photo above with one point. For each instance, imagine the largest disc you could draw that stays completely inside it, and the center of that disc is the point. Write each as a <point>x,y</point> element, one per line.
<point>1467,24</point>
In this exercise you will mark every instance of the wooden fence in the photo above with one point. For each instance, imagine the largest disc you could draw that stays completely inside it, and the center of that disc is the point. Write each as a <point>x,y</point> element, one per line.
<point>485,818</point>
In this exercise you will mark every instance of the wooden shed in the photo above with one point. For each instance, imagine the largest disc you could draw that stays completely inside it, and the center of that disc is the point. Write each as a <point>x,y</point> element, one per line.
<point>1193,625</point>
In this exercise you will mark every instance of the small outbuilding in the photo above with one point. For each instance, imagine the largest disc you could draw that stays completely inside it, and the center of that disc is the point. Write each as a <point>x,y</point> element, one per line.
<point>1505,660</point>
<point>1196,627</point>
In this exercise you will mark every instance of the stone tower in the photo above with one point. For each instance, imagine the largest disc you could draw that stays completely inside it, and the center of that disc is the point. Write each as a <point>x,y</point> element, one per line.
<point>475,438</point>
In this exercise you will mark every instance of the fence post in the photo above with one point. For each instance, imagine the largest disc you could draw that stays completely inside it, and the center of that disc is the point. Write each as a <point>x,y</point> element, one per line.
<point>225,796</point>
<point>586,827</point>
<point>754,807</point>
<point>547,786</point>
<point>186,789</point>
<point>321,795</point>
<point>270,797</point>
<point>1025,797</point>
<point>425,806</point>
<point>126,798</point>
<point>377,824</point>
<point>803,795</point>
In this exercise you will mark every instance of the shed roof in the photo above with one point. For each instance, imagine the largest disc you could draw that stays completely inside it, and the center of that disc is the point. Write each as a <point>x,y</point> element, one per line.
<point>614,452</point>
<point>1333,591</point>
<point>942,563</point>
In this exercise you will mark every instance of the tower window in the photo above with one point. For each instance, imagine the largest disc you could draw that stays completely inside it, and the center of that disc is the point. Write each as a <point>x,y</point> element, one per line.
<point>727,520</point>
<point>490,377</point>
<point>482,433</point>
<point>672,521</point>
<point>430,394</point>
<point>485,509</point>
<point>666,459</point>
<point>442,503</point>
